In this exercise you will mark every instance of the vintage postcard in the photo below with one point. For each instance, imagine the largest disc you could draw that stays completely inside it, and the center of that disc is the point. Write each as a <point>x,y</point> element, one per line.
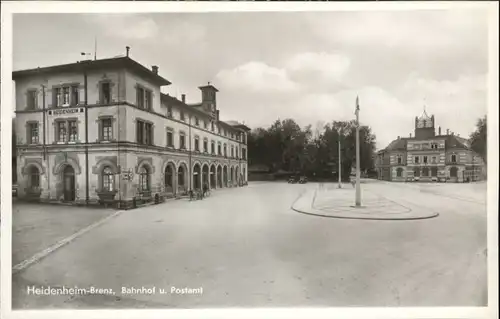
<point>249,160</point>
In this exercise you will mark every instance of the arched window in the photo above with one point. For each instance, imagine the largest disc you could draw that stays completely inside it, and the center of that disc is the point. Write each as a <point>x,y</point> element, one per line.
<point>144,179</point>
<point>107,179</point>
<point>169,176</point>
<point>180,175</point>
<point>34,177</point>
<point>399,172</point>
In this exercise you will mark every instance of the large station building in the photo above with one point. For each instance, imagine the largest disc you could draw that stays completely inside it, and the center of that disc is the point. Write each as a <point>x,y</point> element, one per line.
<point>428,157</point>
<point>101,131</point>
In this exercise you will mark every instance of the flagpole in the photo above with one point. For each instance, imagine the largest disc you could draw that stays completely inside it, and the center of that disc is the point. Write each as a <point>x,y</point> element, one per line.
<point>358,168</point>
<point>340,164</point>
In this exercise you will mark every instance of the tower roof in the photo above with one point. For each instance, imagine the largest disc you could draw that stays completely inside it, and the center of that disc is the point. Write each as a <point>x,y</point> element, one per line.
<point>208,86</point>
<point>424,115</point>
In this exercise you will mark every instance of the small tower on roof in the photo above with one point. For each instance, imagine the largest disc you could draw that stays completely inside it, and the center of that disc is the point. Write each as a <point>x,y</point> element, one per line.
<point>209,98</point>
<point>424,126</point>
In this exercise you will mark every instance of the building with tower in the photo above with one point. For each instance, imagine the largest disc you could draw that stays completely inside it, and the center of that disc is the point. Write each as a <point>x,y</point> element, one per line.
<point>101,131</point>
<point>429,157</point>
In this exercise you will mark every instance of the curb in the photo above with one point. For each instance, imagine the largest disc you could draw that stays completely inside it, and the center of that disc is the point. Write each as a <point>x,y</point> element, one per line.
<point>303,211</point>
<point>44,253</point>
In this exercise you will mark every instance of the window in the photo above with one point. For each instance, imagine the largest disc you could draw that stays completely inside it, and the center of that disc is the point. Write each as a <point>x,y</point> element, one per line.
<point>416,172</point>
<point>219,149</point>
<point>232,151</point>
<point>416,159</point>
<point>61,131</point>
<point>169,111</point>
<point>197,144</point>
<point>434,171</point>
<point>205,125</point>
<point>144,132</point>
<point>225,149</point>
<point>218,129</point>
<point>73,131</point>
<point>453,158</point>
<point>237,153</point>
<point>169,173</point>
<point>105,93</point>
<point>399,172</point>
<point>205,145</point>
<point>400,159</point>
<point>212,125</point>
<point>244,153</point>
<point>57,96</point>
<point>106,129</point>
<point>183,117</point>
<point>425,159</point>
<point>33,133</point>
<point>213,147</point>
<point>182,140</point>
<point>196,121</point>
<point>170,138</point>
<point>65,96</point>
<point>31,99</point>
<point>149,100</point>
<point>140,97</point>
<point>107,179</point>
<point>34,177</point>
<point>148,128</point>
<point>433,160</point>
<point>75,98</point>
<point>144,179</point>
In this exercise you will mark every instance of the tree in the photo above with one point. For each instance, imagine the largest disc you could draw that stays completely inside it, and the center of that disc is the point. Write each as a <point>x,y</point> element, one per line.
<point>478,138</point>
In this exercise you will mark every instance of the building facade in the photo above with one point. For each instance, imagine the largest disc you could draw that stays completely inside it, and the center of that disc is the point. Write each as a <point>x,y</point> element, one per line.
<point>428,157</point>
<point>102,131</point>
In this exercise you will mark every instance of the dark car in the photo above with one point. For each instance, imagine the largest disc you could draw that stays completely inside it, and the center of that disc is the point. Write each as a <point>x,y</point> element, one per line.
<point>293,180</point>
<point>302,180</point>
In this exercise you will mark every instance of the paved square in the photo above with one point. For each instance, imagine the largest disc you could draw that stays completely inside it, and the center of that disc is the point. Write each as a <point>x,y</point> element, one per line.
<point>246,247</point>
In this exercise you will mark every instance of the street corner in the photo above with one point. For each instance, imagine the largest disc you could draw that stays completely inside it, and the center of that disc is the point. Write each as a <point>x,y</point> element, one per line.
<point>37,230</point>
<point>340,203</point>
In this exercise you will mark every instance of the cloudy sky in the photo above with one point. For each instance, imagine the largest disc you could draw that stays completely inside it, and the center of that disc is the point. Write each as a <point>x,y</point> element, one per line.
<point>305,65</point>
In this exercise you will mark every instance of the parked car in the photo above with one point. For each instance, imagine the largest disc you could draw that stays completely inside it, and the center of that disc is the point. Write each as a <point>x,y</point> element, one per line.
<point>293,180</point>
<point>302,180</point>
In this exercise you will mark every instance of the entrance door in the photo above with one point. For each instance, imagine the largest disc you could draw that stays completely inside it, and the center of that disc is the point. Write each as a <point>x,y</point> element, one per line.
<point>69,183</point>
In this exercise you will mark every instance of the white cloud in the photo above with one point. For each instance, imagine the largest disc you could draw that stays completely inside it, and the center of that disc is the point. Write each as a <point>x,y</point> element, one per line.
<point>318,66</point>
<point>256,77</point>
<point>127,26</point>
<point>185,33</point>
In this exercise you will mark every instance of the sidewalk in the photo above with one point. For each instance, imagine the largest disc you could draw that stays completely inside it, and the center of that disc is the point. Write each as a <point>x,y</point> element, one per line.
<point>340,203</point>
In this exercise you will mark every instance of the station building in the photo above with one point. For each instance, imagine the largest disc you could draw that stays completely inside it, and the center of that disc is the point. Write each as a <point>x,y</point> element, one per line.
<point>101,131</point>
<point>428,157</point>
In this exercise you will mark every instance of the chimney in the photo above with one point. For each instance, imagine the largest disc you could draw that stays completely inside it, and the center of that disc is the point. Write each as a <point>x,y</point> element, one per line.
<point>128,50</point>
<point>410,135</point>
<point>154,68</point>
<point>399,137</point>
<point>447,131</point>
<point>217,115</point>
<point>183,98</point>
<point>439,130</point>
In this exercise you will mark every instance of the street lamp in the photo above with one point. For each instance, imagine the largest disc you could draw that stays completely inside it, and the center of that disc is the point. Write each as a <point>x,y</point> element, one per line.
<point>358,188</point>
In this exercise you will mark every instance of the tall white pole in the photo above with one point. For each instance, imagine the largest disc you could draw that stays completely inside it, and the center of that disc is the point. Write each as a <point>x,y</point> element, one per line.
<point>340,165</point>
<point>358,167</point>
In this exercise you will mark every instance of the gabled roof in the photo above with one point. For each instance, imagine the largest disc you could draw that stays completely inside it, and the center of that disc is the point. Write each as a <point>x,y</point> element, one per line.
<point>397,144</point>
<point>80,66</point>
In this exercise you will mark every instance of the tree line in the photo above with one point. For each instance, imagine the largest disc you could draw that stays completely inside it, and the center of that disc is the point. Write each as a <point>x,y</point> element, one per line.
<point>286,147</point>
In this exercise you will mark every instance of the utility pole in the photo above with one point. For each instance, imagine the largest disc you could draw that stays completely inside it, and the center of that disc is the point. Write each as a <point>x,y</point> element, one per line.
<point>190,170</point>
<point>358,168</point>
<point>340,162</point>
